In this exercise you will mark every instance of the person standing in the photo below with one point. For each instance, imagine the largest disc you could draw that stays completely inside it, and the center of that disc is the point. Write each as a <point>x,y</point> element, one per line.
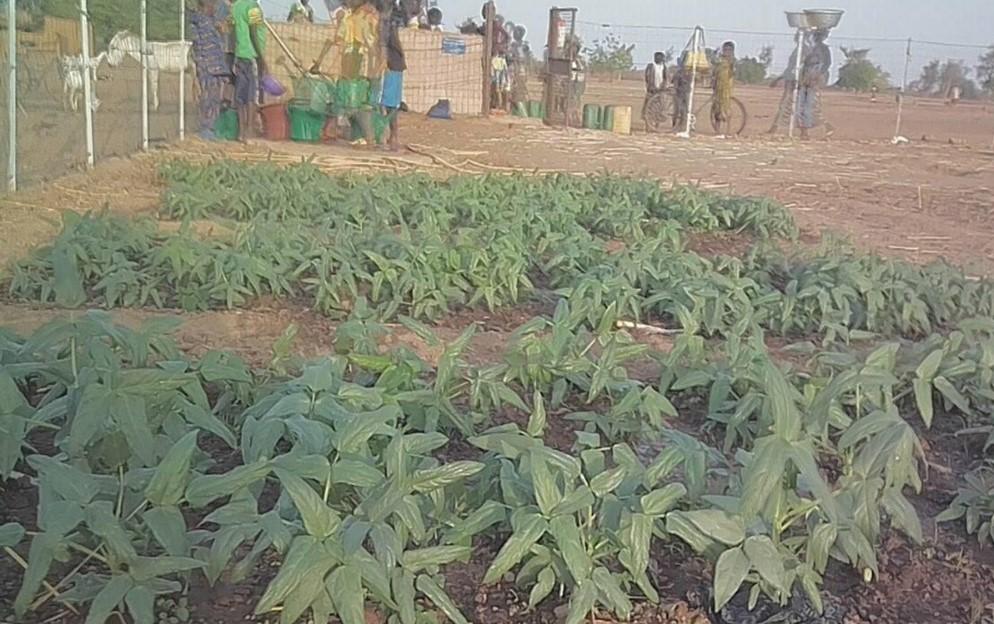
<point>815,70</point>
<point>723,84</point>
<point>656,80</point>
<point>789,81</point>
<point>301,12</point>
<point>213,72</point>
<point>247,22</point>
<point>359,43</point>
<point>519,56</point>
<point>393,81</point>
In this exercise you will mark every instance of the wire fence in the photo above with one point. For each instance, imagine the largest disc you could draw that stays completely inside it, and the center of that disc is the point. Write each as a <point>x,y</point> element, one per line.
<point>58,130</point>
<point>925,71</point>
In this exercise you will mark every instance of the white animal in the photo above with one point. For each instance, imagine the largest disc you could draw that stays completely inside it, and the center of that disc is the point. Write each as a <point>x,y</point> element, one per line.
<point>167,56</point>
<point>72,68</point>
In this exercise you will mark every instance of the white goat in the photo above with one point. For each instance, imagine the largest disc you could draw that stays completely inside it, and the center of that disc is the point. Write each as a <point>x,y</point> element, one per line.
<point>167,56</point>
<point>72,68</point>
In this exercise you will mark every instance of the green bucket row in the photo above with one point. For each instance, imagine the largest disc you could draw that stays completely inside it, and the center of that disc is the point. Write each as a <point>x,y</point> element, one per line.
<point>597,117</point>
<point>531,108</point>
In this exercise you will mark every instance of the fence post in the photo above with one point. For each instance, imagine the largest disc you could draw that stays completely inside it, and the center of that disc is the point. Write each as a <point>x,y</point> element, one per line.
<point>799,56</point>
<point>182,72</point>
<point>693,81</point>
<point>12,96</point>
<point>143,13</point>
<point>84,24</point>
<point>489,10</point>
<point>901,94</point>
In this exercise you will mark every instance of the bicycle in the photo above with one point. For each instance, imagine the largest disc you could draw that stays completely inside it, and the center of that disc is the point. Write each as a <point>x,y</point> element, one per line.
<point>660,109</point>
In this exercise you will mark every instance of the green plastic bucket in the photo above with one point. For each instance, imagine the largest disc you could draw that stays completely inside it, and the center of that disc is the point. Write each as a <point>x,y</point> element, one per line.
<point>305,124</point>
<point>226,125</point>
<point>607,119</point>
<point>380,124</point>
<point>592,116</point>
<point>520,110</point>
<point>536,109</point>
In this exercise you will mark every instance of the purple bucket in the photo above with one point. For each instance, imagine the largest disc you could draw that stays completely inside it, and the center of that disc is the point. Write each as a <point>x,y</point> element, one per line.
<point>271,86</point>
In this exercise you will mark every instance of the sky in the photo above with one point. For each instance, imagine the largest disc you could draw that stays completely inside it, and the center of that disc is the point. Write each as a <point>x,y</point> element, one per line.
<point>968,22</point>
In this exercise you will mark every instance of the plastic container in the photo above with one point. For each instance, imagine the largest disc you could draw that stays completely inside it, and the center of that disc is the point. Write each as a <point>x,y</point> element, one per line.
<point>535,109</point>
<point>520,109</point>
<point>226,125</point>
<point>621,121</point>
<point>305,124</point>
<point>380,124</point>
<point>607,119</point>
<point>592,114</point>
<point>275,124</point>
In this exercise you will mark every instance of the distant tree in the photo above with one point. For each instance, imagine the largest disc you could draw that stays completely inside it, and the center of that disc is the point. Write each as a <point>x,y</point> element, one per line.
<point>985,71</point>
<point>859,73</point>
<point>750,70</point>
<point>938,78</point>
<point>610,55</point>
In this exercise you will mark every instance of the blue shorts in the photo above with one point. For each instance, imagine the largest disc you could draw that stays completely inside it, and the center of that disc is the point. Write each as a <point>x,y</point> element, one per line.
<point>246,82</point>
<point>393,89</point>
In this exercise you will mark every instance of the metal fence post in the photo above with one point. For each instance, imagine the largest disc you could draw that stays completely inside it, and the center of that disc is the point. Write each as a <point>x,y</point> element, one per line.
<point>12,96</point>
<point>143,12</point>
<point>902,94</point>
<point>182,72</point>
<point>84,24</point>
<point>797,81</point>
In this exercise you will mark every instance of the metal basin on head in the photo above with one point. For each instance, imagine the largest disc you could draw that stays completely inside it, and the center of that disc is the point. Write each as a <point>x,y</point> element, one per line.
<point>823,19</point>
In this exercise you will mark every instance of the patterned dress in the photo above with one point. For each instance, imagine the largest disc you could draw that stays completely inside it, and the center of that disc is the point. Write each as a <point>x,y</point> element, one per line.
<point>209,58</point>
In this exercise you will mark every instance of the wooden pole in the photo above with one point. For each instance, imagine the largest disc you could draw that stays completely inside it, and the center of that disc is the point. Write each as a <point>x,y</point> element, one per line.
<point>182,72</point>
<point>84,23</point>
<point>797,81</point>
<point>12,96</point>
<point>143,13</point>
<point>902,94</point>
<point>490,11</point>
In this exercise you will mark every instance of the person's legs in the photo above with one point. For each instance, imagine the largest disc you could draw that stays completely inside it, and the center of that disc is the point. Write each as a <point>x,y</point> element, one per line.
<point>246,96</point>
<point>394,140</point>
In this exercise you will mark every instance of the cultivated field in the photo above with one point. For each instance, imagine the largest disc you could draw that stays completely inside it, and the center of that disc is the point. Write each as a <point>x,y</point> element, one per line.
<point>451,384</point>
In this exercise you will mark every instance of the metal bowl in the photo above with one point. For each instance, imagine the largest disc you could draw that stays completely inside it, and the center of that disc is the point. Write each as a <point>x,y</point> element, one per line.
<point>823,19</point>
<point>796,19</point>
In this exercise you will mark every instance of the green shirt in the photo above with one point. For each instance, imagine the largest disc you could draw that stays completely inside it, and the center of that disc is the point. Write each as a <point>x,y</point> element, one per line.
<point>245,15</point>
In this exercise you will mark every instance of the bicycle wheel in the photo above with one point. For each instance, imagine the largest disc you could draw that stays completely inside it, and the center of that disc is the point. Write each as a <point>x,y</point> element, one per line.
<point>658,112</point>
<point>737,122</point>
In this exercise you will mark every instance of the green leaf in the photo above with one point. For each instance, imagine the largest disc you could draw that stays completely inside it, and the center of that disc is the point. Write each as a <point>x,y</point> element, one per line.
<point>658,502</point>
<point>718,525</point>
<point>575,501</point>
<point>356,473</point>
<point>730,571</point>
<point>547,493</point>
<point>435,478</point>
<point>902,513</point>
<point>616,597</point>
<point>112,594</point>
<point>345,587</point>
<point>786,418</point>
<point>100,519</point>
<point>141,605</point>
<point>129,412</point>
<point>169,529</point>
<point>638,543</point>
<point>40,557</point>
<point>206,488</point>
<point>320,520</point>
<point>11,534</point>
<point>489,514</point>
<point>923,399</point>
<point>68,282</point>
<point>607,481</point>
<point>570,544</point>
<point>543,587</point>
<point>953,395</point>
<point>765,558</point>
<point>531,528</point>
<point>440,599</point>
<point>148,568</point>
<point>930,366</point>
<point>538,418</point>
<point>170,479</point>
<point>582,602</point>
<point>421,558</point>
<point>91,416</point>
<point>305,558</point>
<point>402,584</point>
